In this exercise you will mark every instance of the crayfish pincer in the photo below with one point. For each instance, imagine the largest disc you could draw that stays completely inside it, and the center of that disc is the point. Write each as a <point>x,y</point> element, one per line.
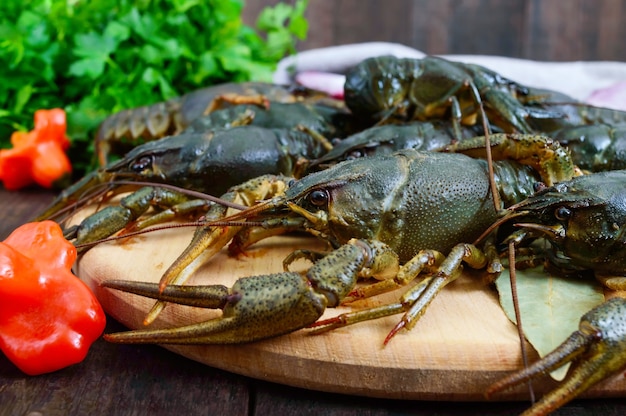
<point>264,306</point>
<point>584,221</point>
<point>404,209</point>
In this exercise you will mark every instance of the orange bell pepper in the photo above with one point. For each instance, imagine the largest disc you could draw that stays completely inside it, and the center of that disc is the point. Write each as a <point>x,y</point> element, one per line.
<point>48,317</point>
<point>37,156</point>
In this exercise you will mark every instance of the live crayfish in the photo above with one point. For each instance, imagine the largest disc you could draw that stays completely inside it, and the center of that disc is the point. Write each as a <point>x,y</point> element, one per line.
<point>318,119</point>
<point>210,162</point>
<point>593,147</point>
<point>217,143</point>
<point>123,130</point>
<point>324,203</point>
<point>464,99</point>
<point>218,146</point>
<point>388,138</point>
<point>387,87</point>
<point>444,200</point>
<point>584,219</point>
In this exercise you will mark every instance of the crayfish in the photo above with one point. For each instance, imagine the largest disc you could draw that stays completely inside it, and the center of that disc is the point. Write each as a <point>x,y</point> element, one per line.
<point>396,215</point>
<point>172,117</point>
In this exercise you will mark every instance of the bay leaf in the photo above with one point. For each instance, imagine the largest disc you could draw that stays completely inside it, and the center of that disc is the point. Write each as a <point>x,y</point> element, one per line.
<point>550,306</point>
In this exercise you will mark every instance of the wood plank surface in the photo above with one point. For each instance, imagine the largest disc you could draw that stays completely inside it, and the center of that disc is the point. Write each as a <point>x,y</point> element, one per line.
<point>533,29</point>
<point>484,27</point>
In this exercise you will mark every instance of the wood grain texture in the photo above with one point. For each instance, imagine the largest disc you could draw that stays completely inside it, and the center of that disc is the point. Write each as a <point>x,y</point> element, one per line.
<point>532,29</point>
<point>604,23</point>
<point>553,31</point>
<point>469,27</point>
<point>24,206</point>
<point>323,22</point>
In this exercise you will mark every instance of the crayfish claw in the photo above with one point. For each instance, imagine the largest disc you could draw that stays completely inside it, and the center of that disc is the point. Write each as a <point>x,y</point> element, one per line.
<point>596,351</point>
<point>201,333</point>
<point>255,308</point>
<point>210,296</point>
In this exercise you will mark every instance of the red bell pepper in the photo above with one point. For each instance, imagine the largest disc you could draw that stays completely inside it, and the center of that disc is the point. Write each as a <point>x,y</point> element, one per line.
<point>37,156</point>
<point>48,317</point>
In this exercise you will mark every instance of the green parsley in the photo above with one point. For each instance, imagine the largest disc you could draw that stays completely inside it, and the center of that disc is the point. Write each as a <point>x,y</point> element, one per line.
<point>96,57</point>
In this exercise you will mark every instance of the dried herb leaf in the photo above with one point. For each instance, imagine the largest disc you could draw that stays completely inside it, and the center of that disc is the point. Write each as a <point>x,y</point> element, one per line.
<point>550,306</point>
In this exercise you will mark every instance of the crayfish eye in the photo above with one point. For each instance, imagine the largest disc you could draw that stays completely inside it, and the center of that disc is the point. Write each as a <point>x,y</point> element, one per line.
<point>562,213</point>
<point>539,186</point>
<point>318,198</point>
<point>141,164</point>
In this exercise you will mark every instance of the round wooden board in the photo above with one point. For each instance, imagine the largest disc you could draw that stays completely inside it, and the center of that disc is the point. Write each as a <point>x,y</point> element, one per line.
<point>462,344</point>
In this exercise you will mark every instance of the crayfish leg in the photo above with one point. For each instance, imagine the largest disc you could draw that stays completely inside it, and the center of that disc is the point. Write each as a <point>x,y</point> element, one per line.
<point>224,100</point>
<point>596,350</point>
<point>420,297</point>
<point>415,301</point>
<point>425,261</point>
<point>351,318</point>
<point>205,244</point>
<point>113,218</point>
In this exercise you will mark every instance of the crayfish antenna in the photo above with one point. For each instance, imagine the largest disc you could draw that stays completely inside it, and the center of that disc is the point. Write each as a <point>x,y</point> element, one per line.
<point>189,192</point>
<point>492,181</point>
<point>518,315</point>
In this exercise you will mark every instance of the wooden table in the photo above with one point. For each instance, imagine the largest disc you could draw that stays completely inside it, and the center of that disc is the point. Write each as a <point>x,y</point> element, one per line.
<point>123,379</point>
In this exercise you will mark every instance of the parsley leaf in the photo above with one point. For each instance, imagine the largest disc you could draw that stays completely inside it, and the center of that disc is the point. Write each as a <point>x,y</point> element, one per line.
<point>96,57</point>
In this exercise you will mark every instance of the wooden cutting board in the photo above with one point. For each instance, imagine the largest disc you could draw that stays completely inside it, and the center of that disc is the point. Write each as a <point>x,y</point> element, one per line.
<point>462,344</point>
